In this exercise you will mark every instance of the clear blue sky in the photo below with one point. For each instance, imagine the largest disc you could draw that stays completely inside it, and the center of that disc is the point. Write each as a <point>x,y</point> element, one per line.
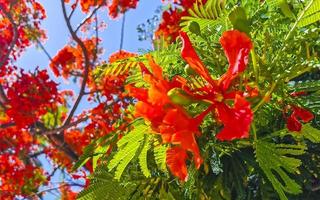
<point>58,36</point>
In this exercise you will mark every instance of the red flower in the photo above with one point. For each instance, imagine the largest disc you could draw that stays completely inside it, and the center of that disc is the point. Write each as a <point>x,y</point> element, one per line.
<point>176,160</point>
<point>236,120</point>
<point>237,47</point>
<point>171,121</point>
<point>293,123</point>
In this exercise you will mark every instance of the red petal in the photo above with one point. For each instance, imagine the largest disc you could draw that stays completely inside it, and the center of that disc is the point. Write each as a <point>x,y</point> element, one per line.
<point>293,124</point>
<point>236,120</point>
<point>302,114</point>
<point>237,46</point>
<point>188,143</point>
<point>190,56</point>
<point>176,161</point>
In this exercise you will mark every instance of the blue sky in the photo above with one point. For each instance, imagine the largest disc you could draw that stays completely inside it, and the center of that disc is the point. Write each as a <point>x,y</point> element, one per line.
<point>58,37</point>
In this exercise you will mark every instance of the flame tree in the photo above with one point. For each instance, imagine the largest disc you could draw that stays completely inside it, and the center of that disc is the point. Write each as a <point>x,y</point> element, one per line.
<point>225,106</point>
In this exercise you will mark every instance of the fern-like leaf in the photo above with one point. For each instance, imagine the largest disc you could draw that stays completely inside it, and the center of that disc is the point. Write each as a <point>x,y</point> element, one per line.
<point>160,156</point>
<point>207,15</point>
<point>310,133</point>
<point>311,15</point>
<point>275,163</point>
<point>104,187</point>
<point>128,148</point>
<point>143,157</point>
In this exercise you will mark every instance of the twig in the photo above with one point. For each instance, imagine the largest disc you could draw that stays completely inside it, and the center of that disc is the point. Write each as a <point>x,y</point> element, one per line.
<point>86,63</point>
<point>122,31</point>
<point>76,3</point>
<point>87,18</point>
<point>44,49</point>
<point>64,127</point>
<point>15,35</point>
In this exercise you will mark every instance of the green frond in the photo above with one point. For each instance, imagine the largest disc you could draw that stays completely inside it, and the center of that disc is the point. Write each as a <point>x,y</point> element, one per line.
<point>211,15</point>
<point>274,161</point>
<point>311,102</point>
<point>104,187</point>
<point>311,15</point>
<point>128,148</point>
<point>95,150</point>
<point>160,156</point>
<point>143,157</point>
<point>306,86</point>
<point>119,67</point>
<point>310,133</point>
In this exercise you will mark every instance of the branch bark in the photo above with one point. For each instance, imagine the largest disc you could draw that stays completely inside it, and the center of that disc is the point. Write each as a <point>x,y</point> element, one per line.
<point>86,63</point>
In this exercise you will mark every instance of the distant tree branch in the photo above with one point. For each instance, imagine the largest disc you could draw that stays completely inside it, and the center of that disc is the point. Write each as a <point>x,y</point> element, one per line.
<point>86,63</point>
<point>15,35</point>
<point>85,20</point>
<point>3,97</point>
<point>122,31</point>
<point>65,127</point>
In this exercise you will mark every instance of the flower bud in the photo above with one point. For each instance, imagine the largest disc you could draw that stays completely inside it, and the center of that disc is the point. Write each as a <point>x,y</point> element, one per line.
<point>194,28</point>
<point>188,70</point>
<point>180,97</point>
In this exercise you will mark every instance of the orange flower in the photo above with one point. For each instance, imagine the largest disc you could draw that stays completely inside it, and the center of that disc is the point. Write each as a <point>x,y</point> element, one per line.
<point>171,121</point>
<point>236,47</point>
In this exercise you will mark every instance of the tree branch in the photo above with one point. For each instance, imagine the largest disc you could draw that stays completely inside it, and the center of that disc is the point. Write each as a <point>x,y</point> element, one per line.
<point>122,31</point>
<point>15,35</point>
<point>86,63</point>
<point>88,17</point>
<point>64,127</point>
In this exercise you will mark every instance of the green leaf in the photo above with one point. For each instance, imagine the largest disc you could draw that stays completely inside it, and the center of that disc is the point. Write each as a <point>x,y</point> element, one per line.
<point>239,19</point>
<point>310,133</point>
<point>143,157</point>
<point>275,163</point>
<point>311,14</point>
<point>96,148</point>
<point>104,187</point>
<point>160,155</point>
<point>130,146</point>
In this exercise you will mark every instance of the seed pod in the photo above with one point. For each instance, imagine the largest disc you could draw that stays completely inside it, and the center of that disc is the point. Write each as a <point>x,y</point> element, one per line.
<point>180,97</point>
<point>194,28</point>
<point>188,70</point>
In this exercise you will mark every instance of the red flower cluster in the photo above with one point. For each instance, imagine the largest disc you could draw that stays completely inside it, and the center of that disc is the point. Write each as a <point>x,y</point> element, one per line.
<point>70,60</point>
<point>121,6</point>
<point>293,123</point>
<point>29,14</point>
<point>170,26</point>
<point>115,6</point>
<point>236,46</point>
<point>18,178</point>
<point>30,97</point>
<point>172,121</point>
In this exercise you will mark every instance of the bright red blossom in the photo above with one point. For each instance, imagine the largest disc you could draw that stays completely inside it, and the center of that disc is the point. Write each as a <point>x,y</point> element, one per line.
<point>25,105</point>
<point>171,121</point>
<point>237,47</point>
<point>293,123</point>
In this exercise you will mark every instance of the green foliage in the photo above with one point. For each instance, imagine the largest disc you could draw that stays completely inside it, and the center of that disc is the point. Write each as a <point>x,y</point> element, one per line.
<point>129,147</point>
<point>311,14</point>
<point>53,119</point>
<point>160,156</point>
<point>103,186</point>
<point>211,16</point>
<point>275,163</point>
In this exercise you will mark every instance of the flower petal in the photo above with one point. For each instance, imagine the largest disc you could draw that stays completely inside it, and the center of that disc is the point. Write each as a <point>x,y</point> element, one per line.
<point>303,114</point>
<point>293,124</point>
<point>176,161</point>
<point>190,56</point>
<point>236,120</point>
<point>237,46</point>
